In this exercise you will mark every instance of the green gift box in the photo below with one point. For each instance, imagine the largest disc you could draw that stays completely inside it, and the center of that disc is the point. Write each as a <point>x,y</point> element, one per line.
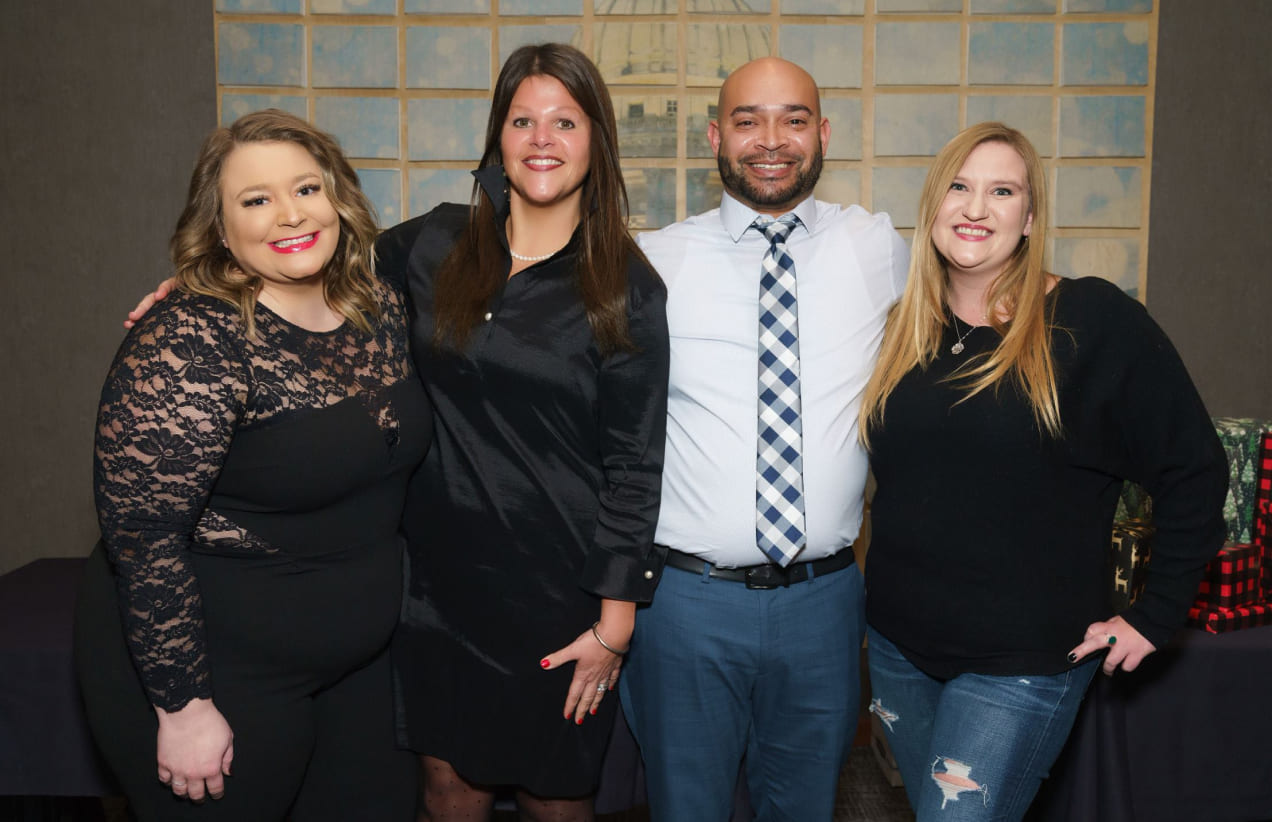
<point>1241,438</point>
<point>1133,503</point>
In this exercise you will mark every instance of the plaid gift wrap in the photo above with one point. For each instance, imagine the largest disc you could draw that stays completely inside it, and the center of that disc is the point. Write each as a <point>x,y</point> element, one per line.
<point>1232,579</point>
<point>1263,483</point>
<point>1263,541</point>
<point>1218,620</point>
<point>1263,510</point>
<point>1132,549</point>
<point>1241,440</point>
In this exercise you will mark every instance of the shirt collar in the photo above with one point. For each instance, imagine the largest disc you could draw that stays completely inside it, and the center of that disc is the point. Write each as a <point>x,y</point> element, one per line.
<point>492,181</point>
<point>737,217</point>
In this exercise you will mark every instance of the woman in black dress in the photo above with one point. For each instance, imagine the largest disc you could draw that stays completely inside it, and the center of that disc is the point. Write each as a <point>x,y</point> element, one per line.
<point>540,333</point>
<point>255,438</point>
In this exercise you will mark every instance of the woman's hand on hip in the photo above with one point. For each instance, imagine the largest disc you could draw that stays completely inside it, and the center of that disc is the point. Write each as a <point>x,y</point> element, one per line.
<point>1126,646</point>
<point>195,749</point>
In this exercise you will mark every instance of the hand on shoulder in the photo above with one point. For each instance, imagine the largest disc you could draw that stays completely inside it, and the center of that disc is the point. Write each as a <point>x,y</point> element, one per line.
<point>148,301</point>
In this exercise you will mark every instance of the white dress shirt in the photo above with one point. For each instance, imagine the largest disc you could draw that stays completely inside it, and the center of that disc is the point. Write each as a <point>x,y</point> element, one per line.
<point>850,267</point>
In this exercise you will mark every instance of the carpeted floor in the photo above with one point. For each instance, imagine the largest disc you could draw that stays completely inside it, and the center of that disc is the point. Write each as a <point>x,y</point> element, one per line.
<point>866,796</point>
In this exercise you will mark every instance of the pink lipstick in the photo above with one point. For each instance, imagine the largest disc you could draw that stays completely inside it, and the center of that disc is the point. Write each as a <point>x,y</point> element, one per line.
<point>294,244</point>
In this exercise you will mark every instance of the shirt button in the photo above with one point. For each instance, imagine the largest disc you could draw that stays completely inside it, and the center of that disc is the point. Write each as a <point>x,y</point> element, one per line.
<point>488,316</point>
<point>649,575</point>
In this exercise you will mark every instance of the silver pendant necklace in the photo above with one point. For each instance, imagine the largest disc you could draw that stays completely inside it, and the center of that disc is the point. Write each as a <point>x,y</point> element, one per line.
<point>957,347</point>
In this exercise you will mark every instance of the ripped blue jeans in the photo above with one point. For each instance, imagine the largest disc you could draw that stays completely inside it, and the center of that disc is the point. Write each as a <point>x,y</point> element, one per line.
<point>973,747</point>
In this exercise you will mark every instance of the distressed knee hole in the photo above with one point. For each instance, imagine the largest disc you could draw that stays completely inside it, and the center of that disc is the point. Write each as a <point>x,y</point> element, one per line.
<point>886,716</point>
<point>954,779</point>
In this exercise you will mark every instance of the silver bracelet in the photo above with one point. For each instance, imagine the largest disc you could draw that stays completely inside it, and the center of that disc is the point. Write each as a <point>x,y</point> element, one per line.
<point>605,644</point>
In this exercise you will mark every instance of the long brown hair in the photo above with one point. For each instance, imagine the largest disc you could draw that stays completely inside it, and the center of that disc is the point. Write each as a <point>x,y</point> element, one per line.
<point>204,266</point>
<point>915,326</point>
<point>474,270</point>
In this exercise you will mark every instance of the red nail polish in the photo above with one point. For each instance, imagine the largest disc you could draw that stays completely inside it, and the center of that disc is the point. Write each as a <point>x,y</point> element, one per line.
<point>592,712</point>
<point>543,663</point>
<point>578,721</point>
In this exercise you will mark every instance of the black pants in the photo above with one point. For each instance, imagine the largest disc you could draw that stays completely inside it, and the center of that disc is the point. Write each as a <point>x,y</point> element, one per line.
<point>307,747</point>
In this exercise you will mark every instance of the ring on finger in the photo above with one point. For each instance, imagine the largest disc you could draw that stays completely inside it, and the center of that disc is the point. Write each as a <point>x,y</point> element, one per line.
<point>602,688</point>
<point>1112,639</point>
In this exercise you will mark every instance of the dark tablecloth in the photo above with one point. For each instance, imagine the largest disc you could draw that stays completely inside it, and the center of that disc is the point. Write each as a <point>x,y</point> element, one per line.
<point>1187,737</point>
<point>45,747</point>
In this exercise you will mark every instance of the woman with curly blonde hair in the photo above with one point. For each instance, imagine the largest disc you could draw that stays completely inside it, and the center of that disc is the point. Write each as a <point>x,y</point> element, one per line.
<point>254,440</point>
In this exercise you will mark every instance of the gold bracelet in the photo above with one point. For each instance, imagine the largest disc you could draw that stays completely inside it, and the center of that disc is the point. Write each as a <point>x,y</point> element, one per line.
<point>605,644</point>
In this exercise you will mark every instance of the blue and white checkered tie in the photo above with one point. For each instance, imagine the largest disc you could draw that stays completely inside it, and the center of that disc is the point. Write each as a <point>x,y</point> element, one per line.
<point>779,487</point>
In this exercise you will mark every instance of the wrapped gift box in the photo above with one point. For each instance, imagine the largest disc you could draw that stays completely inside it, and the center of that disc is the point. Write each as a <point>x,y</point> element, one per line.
<point>1132,549</point>
<point>1218,620</point>
<point>1134,503</point>
<point>1233,579</point>
<point>1263,510</point>
<point>1263,541</point>
<point>1263,481</point>
<point>1242,440</point>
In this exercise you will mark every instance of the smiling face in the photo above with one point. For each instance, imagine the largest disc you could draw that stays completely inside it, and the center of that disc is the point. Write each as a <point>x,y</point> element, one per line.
<point>545,144</point>
<point>770,137</point>
<point>985,212</point>
<point>275,216</point>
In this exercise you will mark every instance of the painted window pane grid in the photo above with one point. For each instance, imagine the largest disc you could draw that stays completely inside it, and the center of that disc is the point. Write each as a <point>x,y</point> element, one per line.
<point>405,85</point>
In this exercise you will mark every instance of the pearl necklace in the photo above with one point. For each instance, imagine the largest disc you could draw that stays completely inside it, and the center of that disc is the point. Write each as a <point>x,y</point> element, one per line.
<point>526,259</point>
<point>957,347</point>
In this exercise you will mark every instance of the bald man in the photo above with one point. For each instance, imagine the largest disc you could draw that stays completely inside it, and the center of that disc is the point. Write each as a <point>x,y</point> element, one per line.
<point>751,647</point>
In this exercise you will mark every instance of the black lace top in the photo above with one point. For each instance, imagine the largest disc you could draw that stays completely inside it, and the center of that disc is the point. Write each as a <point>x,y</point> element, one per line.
<point>184,385</point>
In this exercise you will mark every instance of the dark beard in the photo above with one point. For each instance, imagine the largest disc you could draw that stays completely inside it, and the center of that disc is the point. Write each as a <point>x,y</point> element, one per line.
<point>738,184</point>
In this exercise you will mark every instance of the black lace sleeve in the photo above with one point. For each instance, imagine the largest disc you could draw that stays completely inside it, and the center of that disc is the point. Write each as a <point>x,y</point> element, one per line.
<point>168,410</point>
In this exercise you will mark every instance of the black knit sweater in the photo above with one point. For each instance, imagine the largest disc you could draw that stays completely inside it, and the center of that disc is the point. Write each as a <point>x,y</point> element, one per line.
<point>990,546</point>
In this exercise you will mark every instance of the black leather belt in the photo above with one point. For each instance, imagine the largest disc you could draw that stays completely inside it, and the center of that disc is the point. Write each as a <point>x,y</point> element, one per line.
<point>768,575</point>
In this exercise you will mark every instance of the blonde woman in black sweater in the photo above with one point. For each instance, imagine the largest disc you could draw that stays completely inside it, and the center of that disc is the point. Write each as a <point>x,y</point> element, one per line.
<point>1007,408</point>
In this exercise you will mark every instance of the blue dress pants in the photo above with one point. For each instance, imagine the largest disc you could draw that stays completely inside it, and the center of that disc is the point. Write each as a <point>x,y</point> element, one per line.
<point>719,672</point>
<point>973,747</point>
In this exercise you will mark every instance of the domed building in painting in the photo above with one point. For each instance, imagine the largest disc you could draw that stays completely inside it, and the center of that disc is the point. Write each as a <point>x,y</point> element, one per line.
<point>643,54</point>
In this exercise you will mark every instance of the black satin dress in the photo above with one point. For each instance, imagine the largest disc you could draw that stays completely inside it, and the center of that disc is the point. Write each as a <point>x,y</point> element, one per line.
<point>539,497</point>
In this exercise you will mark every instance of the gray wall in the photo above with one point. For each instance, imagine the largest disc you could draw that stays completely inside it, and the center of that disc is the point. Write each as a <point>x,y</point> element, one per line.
<point>104,103</point>
<point>1210,249</point>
